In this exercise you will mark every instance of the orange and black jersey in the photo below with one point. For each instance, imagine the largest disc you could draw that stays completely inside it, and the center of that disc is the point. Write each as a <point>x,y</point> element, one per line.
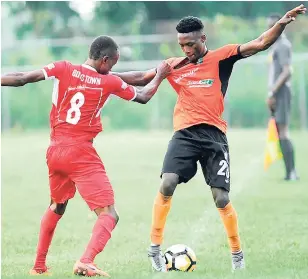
<point>201,87</point>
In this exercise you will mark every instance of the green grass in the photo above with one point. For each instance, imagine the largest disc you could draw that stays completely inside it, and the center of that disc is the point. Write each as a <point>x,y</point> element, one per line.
<point>273,215</point>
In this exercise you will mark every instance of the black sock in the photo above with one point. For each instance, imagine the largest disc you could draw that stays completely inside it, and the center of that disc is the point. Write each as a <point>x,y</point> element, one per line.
<point>288,155</point>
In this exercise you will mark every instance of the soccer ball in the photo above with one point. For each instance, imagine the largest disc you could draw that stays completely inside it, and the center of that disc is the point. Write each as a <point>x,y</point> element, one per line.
<point>180,257</point>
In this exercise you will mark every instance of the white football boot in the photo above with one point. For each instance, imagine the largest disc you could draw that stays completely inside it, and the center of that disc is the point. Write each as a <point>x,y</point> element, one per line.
<point>238,261</point>
<point>157,258</point>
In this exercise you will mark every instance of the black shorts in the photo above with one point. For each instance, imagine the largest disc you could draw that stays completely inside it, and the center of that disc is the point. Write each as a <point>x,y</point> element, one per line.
<point>203,143</point>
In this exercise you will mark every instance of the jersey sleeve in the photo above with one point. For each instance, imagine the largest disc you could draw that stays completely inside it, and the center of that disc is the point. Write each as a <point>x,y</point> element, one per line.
<point>120,88</point>
<point>173,61</point>
<point>228,51</point>
<point>54,70</point>
<point>170,60</point>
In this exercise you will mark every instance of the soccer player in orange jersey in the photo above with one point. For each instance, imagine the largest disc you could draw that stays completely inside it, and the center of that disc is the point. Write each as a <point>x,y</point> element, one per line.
<point>201,79</point>
<point>79,94</point>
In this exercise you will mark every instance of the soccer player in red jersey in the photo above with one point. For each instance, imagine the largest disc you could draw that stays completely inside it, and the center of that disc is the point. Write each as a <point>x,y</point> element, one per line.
<point>201,79</point>
<point>79,94</point>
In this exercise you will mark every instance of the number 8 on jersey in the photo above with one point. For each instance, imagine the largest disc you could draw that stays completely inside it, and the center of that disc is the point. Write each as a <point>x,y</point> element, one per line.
<point>74,113</point>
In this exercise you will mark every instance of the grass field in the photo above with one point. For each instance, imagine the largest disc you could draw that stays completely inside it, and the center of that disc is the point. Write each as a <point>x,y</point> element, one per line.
<point>273,215</point>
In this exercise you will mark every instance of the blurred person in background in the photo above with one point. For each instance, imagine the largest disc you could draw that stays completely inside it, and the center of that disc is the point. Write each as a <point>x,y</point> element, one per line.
<point>280,95</point>
<point>200,79</point>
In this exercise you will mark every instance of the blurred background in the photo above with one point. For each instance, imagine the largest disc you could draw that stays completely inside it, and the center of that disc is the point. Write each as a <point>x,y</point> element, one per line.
<point>273,214</point>
<point>37,33</point>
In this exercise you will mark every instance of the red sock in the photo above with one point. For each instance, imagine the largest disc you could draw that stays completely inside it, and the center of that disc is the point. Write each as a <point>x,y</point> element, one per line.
<point>100,235</point>
<point>48,225</point>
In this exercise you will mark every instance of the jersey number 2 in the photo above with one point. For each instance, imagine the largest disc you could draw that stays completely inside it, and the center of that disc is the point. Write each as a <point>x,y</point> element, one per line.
<point>73,114</point>
<point>224,170</point>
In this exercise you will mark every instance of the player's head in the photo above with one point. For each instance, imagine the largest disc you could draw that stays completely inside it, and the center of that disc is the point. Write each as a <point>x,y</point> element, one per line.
<point>272,19</point>
<point>105,53</point>
<point>191,37</point>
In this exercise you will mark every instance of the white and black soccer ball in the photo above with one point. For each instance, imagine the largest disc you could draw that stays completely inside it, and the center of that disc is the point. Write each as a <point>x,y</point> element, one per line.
<point>180,257</point>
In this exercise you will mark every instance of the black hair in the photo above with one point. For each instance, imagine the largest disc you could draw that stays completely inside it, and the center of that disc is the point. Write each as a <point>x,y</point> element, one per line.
<point>103,46</point>
<point>275,16</point>
<point>189,24</point>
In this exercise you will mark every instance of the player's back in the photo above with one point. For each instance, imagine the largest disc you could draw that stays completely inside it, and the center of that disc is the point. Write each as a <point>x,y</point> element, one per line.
<point>79,94</point>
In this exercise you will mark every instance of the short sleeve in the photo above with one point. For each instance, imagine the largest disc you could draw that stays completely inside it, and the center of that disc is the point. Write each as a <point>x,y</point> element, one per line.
<point>173,61</point>
<point>231,50</point>
<point>54,70</point>
<point>121,89</point>
<point>170,60</point>
<point>284,55</point>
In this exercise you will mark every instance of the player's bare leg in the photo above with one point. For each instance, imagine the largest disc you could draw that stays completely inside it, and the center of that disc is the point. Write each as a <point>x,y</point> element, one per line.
<point>161,209</point>
<point>48,224</point>
<point>229,218</point>
<point>287,151</point>
<point>107,219</point>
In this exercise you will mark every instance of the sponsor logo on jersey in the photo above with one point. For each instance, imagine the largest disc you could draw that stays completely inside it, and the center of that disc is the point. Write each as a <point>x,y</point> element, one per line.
<point>200,83</point>
<point>187,74</point>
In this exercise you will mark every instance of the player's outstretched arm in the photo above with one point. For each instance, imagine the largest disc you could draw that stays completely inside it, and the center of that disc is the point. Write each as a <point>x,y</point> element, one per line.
<point>272,34</point>
<point>137,78</point>
<point>146,93</point>
<point>22,78</point>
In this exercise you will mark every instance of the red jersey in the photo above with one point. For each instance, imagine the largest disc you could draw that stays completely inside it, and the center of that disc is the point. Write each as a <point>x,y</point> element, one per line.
<point>79,94</point>
<point>201,87</point>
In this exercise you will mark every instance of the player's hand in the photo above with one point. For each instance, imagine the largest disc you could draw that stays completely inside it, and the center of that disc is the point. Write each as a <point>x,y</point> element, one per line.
<point>291,15</point>
<point>164,69</point>
<point>271,102</point>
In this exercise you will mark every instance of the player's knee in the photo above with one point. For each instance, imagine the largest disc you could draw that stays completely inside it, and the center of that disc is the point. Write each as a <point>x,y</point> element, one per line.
<point>58,208</point>
<point>169,183</point>
<point>108,210</point>
<point>283,131</point>
<point>283,135</point>
<point>221,197</point>
<point>114,214</point>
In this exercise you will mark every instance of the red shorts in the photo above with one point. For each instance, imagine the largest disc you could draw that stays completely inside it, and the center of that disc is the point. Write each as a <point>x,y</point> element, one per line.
<point>78,166</point>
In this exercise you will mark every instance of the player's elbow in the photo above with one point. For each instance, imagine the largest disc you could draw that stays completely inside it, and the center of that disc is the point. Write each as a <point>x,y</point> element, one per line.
<point>21,81</point>
<point>18,81</point>
<point>265,46</point>
<point>262,44</point>
<point>144,100</point>
<point>141,99</point>
<point>288,71</point>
